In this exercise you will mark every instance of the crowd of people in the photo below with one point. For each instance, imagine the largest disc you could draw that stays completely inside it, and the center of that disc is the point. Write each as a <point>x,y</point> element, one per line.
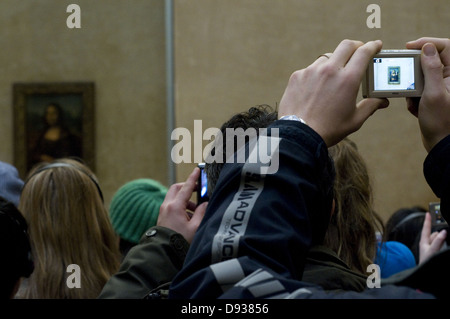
<point>306,231</point>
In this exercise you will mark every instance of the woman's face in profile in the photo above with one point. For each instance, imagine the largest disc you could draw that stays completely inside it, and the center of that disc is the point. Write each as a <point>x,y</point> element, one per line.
<point>52,115</point>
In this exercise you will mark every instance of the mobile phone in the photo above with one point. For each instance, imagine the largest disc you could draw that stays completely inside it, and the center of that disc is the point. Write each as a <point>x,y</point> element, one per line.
<point>436,216</point>
<point>394,73</point>
<point>202,185</point>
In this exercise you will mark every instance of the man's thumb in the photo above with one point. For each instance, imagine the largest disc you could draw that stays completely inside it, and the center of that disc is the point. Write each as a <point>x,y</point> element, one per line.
<point>432,70</point>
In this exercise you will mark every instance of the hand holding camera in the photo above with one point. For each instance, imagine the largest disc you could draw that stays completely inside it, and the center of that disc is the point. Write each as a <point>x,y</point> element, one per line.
<point>422,75</point>
<point>324,94</point>
<point>433,108</point>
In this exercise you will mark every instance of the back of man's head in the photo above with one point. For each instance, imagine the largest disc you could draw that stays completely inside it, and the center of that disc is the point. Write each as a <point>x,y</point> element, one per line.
<point>256,117</point>
<point>260,117</point>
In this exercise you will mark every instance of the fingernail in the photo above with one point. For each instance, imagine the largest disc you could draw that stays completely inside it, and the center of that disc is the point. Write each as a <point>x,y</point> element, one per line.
<point>378,42</point>
<point>429,49</point>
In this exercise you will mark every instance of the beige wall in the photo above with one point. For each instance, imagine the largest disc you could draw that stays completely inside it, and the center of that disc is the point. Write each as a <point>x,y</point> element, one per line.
<point>234,54</point>
<point>120,47</point>
<point>229,55</point>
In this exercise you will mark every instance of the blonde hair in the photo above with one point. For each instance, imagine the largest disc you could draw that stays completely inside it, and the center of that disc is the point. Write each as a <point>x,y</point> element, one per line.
<point>352,230</point>
<point>68,224</point>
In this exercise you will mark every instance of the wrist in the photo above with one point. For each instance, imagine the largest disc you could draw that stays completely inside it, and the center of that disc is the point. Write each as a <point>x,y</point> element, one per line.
<point>328,141</point>
<point>292,118</point>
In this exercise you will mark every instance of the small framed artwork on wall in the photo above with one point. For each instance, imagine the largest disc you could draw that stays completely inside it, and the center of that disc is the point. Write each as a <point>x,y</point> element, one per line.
<point>53,120</point>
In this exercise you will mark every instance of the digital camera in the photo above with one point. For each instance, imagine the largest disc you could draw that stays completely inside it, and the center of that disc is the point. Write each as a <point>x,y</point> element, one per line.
<point>394,73</point>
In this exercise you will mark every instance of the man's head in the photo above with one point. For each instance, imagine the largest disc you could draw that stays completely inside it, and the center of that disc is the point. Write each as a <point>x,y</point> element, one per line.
<point>256,117</point>
<point>260,117</point>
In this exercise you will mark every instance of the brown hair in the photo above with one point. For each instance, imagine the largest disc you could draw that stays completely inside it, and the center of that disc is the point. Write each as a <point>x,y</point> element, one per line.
<point>68,224</point>
<point>352,230</point>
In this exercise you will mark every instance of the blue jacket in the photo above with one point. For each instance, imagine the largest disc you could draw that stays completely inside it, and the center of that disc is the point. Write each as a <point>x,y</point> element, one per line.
<point>250,213</point>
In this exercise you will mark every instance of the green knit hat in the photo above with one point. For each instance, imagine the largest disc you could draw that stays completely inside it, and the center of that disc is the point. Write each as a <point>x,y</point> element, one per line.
<point>135,208</point>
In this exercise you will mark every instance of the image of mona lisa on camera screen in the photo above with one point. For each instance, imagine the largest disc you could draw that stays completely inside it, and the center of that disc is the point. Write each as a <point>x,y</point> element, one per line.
<point>393,73</point>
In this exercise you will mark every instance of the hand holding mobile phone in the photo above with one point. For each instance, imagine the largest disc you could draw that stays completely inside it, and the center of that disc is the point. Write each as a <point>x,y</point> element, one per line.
<point>437,220</point>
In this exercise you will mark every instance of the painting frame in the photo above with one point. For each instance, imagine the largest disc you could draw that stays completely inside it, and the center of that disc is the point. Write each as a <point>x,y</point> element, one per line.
<point>30,99</point>
<point>394,75</point>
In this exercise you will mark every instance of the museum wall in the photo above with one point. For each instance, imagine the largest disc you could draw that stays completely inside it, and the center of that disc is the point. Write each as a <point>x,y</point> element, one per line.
<point>229,55</point>
<point>234,54</point>
<point>119,47</point>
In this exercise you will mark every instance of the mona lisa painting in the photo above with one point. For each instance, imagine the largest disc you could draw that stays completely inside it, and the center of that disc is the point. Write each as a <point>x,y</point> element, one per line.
<point>53,120</point>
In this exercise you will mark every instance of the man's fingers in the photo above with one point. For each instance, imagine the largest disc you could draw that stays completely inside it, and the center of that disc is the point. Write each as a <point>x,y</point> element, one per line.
<point>438,241</point>
<point>426,229</point>
<point>322,59</point>
<point>433,236</point>
<point>199,213</point>
<point>366,108</point>
<point>344,51</point>
<point>188,188</point>
<point>441,45</point>
<point>173,190</point>
<point>191,206</point>
<point>412,104</point>
<point>362,56</point>
<point>432,70</point>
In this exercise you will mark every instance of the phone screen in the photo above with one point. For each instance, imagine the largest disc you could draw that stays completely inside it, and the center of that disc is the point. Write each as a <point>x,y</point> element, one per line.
<point>436,216</point>
<point>204,184</point>
<point>393,73</point>
<point>202,187</point>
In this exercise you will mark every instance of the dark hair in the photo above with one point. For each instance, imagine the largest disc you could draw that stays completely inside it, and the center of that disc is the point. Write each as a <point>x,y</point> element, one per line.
<point>405,225</point>
<point>260,116</point>
<point>16,262</point>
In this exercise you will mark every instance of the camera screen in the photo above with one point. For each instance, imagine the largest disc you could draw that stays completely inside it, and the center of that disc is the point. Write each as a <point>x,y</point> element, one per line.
<point>393,73</point>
